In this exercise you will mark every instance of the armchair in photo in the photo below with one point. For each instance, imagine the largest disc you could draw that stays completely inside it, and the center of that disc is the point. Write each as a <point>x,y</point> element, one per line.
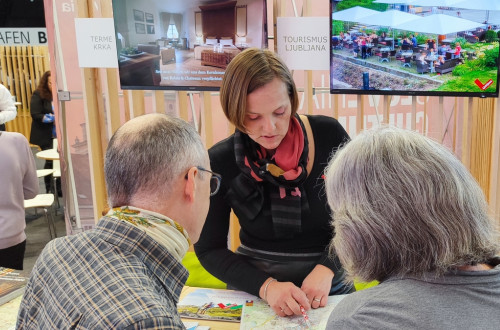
<point>147,48</point>
<point>447,66</point>
<point>423,67</point>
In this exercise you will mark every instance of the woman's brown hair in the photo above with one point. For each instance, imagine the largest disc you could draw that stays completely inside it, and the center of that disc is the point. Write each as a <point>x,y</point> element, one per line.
<point>43,87</point>
<point>248,71</point>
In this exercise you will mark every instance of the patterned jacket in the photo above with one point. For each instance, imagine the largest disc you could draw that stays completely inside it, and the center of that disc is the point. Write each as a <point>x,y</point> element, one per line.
<point>112,277</point>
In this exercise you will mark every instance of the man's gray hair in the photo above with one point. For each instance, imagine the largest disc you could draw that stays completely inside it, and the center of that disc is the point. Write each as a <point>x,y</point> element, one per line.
<point>403,204</point>
<point>147,157</point>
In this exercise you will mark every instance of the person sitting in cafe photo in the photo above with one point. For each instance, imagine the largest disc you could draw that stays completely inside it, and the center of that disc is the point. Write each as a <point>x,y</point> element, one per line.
<point>440,61</point>
<point>421,57</point>
<point>443,49</point>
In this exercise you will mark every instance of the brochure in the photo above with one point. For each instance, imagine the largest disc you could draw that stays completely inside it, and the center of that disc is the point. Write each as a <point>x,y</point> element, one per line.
<point>215,304</point>
<point>12,283</point>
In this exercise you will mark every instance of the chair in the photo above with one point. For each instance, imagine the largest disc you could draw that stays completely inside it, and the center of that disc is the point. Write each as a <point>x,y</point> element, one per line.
<point>56,173</point>
<point>56,166</point>
<point>392,54</point>
<point>147,48</point>
<point>384,56</point>
<point>406,61</point>
<point>44,201</point>
<point>336,44</point>
<point>167,55</point>
<point>423,67</point>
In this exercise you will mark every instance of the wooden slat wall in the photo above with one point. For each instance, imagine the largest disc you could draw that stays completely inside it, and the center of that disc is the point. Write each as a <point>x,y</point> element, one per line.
<point>482,142</point>
<point>21,68</point>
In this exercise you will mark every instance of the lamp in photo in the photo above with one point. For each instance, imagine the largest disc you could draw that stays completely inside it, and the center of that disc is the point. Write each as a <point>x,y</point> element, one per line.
<point>242,41</point>
<point>199,39</point>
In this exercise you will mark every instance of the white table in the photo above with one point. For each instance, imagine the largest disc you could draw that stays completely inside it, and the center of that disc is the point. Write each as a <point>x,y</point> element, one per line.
<point>49,154</point>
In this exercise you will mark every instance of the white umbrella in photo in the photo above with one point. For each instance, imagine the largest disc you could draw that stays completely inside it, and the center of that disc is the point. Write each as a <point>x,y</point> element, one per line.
<point>435,3</point>
<point>353,14</point>
<point>399,2</point>
<point>389,18</point>
<point>439,24</point>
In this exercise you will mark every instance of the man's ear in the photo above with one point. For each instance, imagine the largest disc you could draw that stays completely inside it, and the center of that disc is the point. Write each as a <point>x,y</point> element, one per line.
<point>190,184</point>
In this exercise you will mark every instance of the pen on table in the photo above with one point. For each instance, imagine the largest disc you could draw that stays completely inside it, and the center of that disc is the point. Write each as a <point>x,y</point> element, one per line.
<point>306,318</point>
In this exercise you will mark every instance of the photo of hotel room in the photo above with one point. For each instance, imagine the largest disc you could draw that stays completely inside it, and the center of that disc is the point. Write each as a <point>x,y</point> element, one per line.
<point>189,43</point>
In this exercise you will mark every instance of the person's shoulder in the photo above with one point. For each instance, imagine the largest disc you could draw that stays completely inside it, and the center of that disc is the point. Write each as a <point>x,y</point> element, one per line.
<point>328,128</point>
<point>222,149</point>
<point>322,121</point>
<point>16,138</point>
<point>358,310</point>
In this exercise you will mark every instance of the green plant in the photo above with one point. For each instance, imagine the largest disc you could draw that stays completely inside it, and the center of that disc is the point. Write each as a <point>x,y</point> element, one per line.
<point>421,39</point>
<point>346,4</point>
<point>460,70</point>
<point>382,29</point>
<point>465,83</point>
<point>490,36</point>
<point>491,57</point>
<point>129,51</point>
<point>462,41</point>
<point>337,27</point>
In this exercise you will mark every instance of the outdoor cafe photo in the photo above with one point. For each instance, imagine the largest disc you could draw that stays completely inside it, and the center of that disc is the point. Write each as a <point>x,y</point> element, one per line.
<point>415,45</point>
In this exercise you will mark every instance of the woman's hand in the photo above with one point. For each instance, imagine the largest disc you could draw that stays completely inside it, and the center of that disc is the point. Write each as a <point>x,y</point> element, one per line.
<point>317,286</point>
<point>285,298</point>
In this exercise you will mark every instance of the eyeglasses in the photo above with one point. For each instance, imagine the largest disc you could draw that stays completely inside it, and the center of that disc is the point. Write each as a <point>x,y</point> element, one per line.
<point>215,180</point>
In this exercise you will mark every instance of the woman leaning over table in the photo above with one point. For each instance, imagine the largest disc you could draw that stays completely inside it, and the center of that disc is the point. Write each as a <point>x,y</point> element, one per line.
<point>272,169</point>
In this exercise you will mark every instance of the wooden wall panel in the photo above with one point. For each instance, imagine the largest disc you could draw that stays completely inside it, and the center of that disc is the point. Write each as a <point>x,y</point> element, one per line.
<point>21,68</point>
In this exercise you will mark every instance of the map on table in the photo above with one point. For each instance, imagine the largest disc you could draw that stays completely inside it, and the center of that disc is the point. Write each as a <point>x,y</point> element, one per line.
<point>261,316</point>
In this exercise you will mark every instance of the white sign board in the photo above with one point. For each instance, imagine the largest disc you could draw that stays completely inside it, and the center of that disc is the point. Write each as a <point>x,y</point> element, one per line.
<point>14,36</point>
<point>95,41</point>
<point>303,42</point>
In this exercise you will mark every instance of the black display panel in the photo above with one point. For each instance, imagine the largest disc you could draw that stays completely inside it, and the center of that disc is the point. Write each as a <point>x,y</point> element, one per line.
<point>388,52</point>
<point>184,45</point>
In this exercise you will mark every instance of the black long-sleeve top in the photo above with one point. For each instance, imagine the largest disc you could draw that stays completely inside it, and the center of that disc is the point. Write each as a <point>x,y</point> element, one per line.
<point>212,248</point>
<point>41,133</point>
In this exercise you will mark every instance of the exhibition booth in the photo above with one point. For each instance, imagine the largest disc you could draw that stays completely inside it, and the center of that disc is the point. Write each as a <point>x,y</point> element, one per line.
<point>170,57</point>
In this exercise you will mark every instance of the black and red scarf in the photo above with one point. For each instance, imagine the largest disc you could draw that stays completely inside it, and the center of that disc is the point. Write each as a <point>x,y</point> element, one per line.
<point>285,171</point>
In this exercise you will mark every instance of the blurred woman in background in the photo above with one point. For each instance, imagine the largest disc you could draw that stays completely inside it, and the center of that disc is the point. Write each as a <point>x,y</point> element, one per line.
<point>42,125</point>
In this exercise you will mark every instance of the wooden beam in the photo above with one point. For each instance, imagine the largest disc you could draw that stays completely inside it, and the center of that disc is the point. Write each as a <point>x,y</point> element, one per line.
<point>91,91</point>
<point>138,107</point>
<point>206,102</point>
<point>182,99</point>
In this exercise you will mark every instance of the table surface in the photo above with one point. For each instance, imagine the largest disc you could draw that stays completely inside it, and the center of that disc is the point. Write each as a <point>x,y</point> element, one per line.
<point>49,154</point>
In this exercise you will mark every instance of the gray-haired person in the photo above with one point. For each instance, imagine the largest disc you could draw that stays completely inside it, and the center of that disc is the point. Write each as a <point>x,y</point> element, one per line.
<point>409,214</point>
<point>127,272</point>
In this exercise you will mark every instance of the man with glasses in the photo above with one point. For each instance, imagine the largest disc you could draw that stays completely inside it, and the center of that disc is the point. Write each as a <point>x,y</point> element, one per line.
<point>127,272</point>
